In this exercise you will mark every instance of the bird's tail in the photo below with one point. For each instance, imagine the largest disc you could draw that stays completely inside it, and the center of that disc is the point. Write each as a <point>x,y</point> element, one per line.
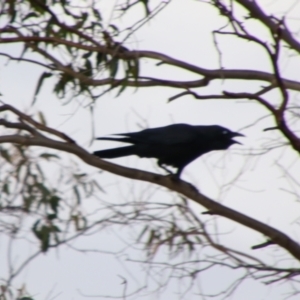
<point>116,152</point>
<point>116,139</point>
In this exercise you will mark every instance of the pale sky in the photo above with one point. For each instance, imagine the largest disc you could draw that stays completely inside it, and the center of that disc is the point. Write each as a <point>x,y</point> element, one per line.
<point>182,31</point>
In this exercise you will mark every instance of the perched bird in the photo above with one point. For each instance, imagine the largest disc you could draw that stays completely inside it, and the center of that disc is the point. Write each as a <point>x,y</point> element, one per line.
<point>174,145</point>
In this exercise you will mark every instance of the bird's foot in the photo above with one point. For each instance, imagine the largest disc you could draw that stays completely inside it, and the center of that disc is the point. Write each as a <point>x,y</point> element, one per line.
<point>173,177</point>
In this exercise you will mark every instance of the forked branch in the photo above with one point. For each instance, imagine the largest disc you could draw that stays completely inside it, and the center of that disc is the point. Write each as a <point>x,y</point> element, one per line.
<point>168,182</point>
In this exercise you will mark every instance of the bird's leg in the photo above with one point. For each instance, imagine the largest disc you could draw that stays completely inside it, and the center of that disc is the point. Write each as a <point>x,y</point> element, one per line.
<point>178,173</point>
<point>176,176</point>
<point>165,168</point>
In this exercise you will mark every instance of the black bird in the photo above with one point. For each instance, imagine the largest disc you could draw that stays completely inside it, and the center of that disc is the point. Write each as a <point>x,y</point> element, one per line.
<point>174,145</point>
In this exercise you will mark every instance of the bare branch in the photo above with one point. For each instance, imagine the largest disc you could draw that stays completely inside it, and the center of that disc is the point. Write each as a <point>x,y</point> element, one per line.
<point>181,187</point>
<point>274,58</point>
<point>242,74</point>
<point>257,13</point>
<point>251,96</point>
<point>36,124</point>
<point>268,243</point>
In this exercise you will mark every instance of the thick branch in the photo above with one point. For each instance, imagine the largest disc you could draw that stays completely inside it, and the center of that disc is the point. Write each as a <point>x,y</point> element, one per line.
<point>210,74</point>
<point>181,187</point>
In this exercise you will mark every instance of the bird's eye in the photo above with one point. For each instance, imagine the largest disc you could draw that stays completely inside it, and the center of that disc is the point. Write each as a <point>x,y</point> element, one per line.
<point>225,132</point>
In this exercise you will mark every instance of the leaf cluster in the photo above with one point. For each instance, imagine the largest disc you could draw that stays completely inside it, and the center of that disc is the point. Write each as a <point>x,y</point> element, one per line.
<point>48,30</point>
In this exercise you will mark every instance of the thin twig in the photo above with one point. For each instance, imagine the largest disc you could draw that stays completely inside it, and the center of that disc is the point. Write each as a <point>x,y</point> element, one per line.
<point>36,124</point>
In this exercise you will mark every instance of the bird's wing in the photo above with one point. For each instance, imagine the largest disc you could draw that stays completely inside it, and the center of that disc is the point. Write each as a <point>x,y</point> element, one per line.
<point>168,135</point>
<point>116,139</point>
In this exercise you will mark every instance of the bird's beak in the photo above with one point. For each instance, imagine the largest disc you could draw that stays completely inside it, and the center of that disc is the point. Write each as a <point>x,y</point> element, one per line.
<point>234,134</point>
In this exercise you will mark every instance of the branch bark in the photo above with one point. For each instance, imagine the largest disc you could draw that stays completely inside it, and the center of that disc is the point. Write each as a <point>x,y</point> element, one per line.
<point>180,186</point>
<point>209,74</point>
<point>257,13</point>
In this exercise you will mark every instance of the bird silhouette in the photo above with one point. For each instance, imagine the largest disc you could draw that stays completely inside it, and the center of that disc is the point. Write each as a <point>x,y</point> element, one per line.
<point>174,145</point>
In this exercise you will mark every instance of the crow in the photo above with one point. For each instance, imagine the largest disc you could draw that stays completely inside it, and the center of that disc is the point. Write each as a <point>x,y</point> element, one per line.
<point>174,145</point>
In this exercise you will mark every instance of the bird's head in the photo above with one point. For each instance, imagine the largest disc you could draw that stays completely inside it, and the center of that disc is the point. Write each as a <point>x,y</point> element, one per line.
<point>224,137</point>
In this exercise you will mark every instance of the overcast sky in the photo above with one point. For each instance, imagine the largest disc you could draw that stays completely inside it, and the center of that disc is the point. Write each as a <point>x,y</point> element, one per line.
<point>182,31</point>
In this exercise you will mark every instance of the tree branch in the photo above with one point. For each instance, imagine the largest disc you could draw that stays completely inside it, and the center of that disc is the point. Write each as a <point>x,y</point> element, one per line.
<point>181,187</point>
<point>242,74</point>
<point>257,13</point>
<point>36,124</point>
